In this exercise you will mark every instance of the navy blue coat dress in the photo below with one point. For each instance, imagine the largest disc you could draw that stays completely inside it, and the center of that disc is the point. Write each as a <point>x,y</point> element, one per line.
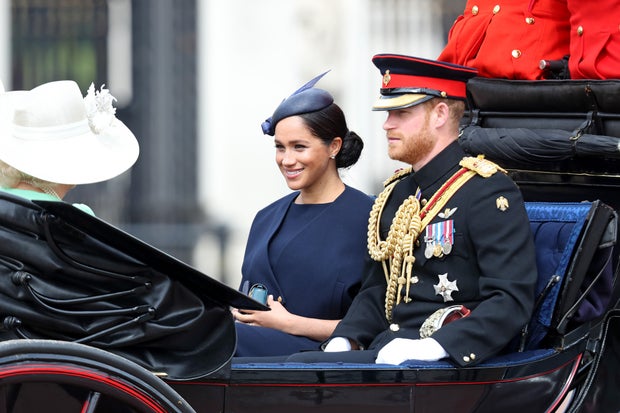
<point>313,257</point>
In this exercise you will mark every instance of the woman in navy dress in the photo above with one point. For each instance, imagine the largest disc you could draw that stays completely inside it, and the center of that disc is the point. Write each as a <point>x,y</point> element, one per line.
<point>307,250</point>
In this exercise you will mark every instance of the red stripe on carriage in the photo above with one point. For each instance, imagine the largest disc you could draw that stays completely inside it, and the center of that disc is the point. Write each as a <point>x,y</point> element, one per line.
<point>43,369</point>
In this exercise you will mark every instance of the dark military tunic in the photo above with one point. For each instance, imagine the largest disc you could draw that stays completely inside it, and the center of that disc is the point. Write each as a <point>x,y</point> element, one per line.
<point>490,268</point>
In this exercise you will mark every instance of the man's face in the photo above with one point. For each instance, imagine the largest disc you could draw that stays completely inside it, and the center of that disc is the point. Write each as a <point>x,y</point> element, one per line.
<point>410,138</point>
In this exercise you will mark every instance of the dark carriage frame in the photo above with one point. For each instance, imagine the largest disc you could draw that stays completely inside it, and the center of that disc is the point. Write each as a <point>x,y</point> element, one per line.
<point>564,359</point>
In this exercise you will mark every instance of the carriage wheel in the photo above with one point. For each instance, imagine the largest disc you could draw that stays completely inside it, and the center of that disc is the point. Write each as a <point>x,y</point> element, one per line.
<point>49,375</point>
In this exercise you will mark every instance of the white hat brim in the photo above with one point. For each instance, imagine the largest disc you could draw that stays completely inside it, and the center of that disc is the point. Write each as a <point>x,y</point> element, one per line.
<point>81,158</point>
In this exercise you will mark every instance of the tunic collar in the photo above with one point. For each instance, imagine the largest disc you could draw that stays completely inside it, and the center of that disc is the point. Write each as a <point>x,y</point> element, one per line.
<point>445,163</point>
<point>429,179</point>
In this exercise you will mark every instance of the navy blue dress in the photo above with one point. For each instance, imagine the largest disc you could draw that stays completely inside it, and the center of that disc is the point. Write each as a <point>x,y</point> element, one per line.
<point>312,257</point>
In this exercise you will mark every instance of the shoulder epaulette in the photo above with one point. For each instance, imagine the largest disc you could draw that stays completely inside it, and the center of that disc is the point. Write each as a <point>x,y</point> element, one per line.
<point>481,166</point>
<point>400,173</point>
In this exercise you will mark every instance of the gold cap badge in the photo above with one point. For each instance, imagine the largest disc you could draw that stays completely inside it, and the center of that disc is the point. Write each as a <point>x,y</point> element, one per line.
<point>386,78</point>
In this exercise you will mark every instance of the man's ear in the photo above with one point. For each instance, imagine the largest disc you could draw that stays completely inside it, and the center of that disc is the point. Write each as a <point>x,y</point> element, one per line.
<point>441,114</point>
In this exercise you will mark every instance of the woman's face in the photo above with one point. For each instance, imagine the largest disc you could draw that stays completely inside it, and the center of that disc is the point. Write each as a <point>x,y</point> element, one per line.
<point>303,159</point>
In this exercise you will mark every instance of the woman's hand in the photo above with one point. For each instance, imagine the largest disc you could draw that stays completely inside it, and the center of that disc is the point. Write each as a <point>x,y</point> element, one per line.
<point>279,318</point>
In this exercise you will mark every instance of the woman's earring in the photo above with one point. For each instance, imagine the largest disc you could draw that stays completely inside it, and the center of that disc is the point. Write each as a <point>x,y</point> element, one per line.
<point>332,157</point>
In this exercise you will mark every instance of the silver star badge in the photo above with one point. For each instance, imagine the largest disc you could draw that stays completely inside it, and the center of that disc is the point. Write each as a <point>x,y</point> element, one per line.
<point>445,288</point>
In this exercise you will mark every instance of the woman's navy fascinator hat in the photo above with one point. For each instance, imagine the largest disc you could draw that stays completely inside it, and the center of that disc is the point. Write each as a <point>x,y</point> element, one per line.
<point>306,99</point>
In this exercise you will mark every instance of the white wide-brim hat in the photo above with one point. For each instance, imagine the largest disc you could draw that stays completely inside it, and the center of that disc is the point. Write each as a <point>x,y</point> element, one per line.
<point>53,133</point>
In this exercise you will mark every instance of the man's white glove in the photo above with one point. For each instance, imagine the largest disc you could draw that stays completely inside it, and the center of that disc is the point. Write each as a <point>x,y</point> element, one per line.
<point>401,349</point>
<point>338,344</point>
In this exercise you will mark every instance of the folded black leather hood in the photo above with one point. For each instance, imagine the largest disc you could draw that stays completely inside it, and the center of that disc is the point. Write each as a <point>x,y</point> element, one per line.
<point>67,275</point>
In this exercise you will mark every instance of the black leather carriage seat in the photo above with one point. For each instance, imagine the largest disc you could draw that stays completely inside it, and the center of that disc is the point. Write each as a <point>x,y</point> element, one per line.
<point>558,139</point>
<point>591,106</point>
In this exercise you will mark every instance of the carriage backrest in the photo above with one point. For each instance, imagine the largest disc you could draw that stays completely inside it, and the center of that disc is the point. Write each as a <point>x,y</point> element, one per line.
<point>574,248</point>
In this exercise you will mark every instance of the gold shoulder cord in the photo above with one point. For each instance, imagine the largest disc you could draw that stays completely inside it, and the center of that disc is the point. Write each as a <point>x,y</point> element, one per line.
<point>408,223</point>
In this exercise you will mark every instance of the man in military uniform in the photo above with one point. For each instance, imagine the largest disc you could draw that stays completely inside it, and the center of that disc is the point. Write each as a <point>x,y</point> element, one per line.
<point>456,269</point>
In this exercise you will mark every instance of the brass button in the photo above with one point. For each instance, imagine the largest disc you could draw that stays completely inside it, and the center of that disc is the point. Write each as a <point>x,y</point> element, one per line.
<point>394,327</point>
<point>529,20</point>
<point>496,9</point>
<point>580,30</point>
<point>474,10</point>
<point>516,53</point>
<point>466,359</point>
<point>424,201</point>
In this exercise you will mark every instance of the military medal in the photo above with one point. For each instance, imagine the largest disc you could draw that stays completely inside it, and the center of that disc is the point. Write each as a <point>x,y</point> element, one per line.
<point>428,251</point>
<point>447,238</point>
<point>439,238</point>
<point>445,288</point>
<point>437,251</point>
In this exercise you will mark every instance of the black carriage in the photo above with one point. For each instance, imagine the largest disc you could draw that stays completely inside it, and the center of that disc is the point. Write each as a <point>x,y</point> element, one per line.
<point>94,320</point>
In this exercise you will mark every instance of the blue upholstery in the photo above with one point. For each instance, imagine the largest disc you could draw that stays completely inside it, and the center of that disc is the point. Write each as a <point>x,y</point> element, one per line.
<point>503,360</point>
<point>556,228</point>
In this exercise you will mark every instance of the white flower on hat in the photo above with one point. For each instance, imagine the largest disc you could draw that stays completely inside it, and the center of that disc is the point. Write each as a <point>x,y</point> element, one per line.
<point>99,109</point>
<point>56,133</point>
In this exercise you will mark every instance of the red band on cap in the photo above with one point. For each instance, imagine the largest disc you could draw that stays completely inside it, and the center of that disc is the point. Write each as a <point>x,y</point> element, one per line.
<point>453,88</point>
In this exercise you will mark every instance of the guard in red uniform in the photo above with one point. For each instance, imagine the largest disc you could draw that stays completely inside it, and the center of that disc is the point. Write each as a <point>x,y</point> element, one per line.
<point>508,38</point>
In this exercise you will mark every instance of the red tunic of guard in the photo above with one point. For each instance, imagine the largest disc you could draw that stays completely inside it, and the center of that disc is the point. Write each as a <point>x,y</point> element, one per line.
<point>509,38</point>
<point>594,39</point>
